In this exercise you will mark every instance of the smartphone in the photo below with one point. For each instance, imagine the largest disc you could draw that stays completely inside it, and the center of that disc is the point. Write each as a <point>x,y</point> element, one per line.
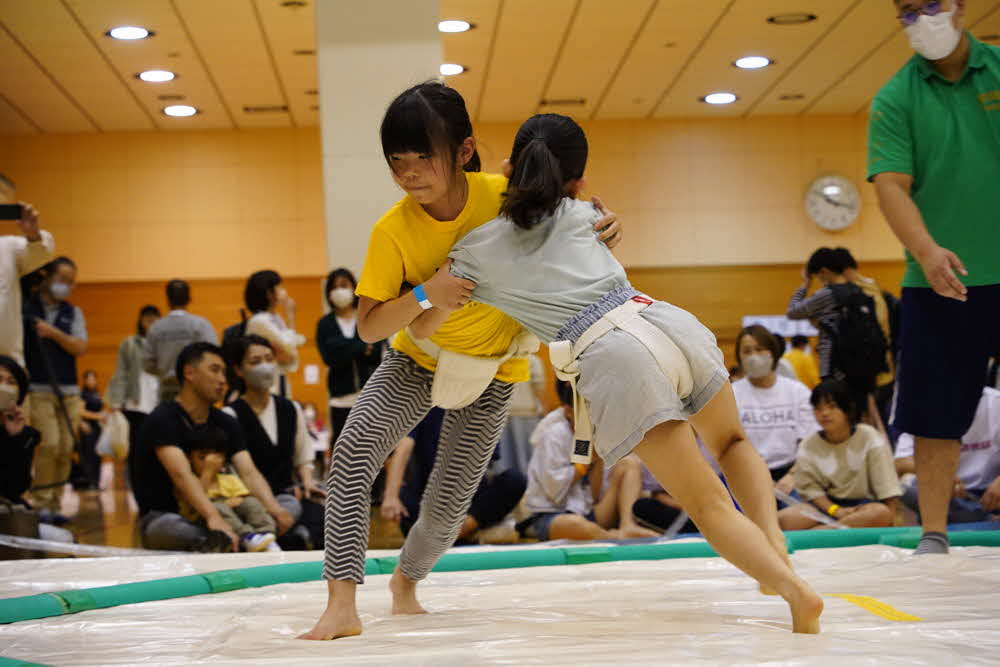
<point>11,211</point>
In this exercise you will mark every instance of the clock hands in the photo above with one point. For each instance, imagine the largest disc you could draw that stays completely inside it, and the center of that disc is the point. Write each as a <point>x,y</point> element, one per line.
<point>835,202</point>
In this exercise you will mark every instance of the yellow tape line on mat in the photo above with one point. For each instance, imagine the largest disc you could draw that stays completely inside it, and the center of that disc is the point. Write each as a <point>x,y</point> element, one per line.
<point>876,607</point>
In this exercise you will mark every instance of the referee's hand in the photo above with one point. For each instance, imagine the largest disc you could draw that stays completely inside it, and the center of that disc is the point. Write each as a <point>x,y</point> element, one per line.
<point>939,265</point>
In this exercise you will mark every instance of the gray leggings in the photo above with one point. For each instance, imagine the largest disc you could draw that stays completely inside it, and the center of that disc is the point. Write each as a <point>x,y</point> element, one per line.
<point>393,402</point>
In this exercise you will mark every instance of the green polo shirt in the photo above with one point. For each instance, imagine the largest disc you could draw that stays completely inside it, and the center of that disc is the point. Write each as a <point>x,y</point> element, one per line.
<point>947,136</point>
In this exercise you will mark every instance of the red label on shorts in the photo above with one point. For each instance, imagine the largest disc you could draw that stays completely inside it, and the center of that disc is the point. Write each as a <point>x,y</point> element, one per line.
<point>643,299</point>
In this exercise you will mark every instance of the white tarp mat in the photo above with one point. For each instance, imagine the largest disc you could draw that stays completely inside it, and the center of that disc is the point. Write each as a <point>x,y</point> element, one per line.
<point>683,611</point>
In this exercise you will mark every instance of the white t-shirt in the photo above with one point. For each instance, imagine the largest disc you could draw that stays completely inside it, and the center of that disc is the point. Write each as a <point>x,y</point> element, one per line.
<point>979,461</point>
<point>775,419</point>
<point>551,487</point>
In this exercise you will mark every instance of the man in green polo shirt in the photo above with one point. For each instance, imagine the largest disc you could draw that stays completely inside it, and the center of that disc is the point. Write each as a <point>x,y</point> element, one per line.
<point>934,156</point>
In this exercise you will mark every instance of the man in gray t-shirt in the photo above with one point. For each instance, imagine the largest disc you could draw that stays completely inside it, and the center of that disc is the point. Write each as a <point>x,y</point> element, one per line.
<point>171,334</point>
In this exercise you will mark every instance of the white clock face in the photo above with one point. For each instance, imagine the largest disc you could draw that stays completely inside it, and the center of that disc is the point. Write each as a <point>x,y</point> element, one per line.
<point>833,202</point>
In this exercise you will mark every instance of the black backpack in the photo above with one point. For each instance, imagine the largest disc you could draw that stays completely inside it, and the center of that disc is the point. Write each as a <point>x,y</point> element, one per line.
<point>859,345</point>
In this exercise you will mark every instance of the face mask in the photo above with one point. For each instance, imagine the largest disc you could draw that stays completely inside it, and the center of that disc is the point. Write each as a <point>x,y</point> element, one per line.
<point>934,37</point>
<point>756,366</point>
<point>60,291</point>
<point>8,397</point>
<point>342,297</point>
<point>310,415</point>
<point>262,375</point>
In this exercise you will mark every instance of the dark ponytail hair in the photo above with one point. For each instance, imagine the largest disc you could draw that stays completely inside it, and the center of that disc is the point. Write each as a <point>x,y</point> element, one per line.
<point>549,151</point>
<point>428,118</point>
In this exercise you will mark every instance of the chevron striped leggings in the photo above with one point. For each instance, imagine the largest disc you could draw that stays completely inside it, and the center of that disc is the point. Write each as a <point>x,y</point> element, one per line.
<point>395,399</point>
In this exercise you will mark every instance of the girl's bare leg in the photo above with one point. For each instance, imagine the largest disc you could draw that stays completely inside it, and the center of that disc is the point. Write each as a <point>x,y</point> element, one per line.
<point>671,453</point>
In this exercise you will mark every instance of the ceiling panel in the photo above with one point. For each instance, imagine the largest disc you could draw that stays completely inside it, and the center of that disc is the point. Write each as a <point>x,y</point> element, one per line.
<point>290,29</point>
<point>527,43</point>
<point>233,47</point>
<point>601,35</point>
<point>742,31</point>
<point>472,48</point>
<point>12,121</point>
<point>670,37</point>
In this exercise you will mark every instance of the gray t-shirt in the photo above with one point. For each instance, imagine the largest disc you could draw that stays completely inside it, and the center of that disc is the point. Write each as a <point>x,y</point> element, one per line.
<point>171,334</point>
<point>541,276</point>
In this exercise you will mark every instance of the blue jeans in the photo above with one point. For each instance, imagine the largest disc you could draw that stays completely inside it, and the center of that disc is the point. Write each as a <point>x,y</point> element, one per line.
<point>960,510</point>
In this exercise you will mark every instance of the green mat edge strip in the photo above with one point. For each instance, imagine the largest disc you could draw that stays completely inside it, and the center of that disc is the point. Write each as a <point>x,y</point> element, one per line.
<point>33,607</point>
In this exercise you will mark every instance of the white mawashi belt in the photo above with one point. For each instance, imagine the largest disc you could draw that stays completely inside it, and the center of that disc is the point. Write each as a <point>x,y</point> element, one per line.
<point>671,360</point>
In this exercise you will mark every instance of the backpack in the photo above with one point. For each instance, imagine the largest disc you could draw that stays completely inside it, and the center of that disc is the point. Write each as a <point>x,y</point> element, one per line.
<point>859,345</point>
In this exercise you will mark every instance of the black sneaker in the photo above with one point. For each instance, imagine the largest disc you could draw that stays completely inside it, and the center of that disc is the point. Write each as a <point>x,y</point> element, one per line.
<point>216,542</point>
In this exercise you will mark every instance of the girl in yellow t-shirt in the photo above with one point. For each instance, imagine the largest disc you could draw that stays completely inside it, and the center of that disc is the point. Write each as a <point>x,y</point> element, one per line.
<point>427,141</point>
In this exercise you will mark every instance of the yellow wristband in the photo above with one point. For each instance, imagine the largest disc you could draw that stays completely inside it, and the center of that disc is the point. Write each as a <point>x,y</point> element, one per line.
<point>832,509</point>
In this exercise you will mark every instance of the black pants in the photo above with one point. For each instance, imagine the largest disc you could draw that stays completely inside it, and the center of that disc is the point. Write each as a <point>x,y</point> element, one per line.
<point>497,496</point>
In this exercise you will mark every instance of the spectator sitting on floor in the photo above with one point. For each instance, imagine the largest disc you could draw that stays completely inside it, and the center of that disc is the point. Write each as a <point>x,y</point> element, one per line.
<point>572,501</point>
<point>230,496</point>
<point>414,457</point>
<point>976,494</point>
<point>160,465</point>
<point>844,470</point>
<point>17,445</point>
<point>659,510</point>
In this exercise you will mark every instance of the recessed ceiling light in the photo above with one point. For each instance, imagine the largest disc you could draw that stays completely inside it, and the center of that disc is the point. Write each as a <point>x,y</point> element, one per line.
<point>451,69</point>
<point>791,18</point>
<point>454,26</point>
<point>128,32</point>
<point>753,62</point>
<point>156,75</point>
<point>180,110</point>
<point>719,98</point>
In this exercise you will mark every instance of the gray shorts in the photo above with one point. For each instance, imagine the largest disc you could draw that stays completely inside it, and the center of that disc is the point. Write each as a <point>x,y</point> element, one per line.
<point>626,390</point>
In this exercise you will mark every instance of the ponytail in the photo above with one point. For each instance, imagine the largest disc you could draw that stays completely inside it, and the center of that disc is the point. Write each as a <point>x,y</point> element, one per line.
<point>549,151</point>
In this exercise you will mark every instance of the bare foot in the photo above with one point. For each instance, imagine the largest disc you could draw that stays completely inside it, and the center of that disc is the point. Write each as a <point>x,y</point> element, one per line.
<point>806,607</point>
<point>334,624</point>
<point>635,531</point>
<point>404,594</point>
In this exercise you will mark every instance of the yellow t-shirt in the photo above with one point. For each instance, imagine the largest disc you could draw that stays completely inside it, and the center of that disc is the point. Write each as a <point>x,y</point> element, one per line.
<point>408,245</point>
<point>805,367</point>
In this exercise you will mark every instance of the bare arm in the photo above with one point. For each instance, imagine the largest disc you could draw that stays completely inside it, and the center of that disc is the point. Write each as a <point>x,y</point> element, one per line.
<point>907,223</point>
<point>905,465</point>
<point>258,486</point>
<point>75,346</point>
<point>396,467</point>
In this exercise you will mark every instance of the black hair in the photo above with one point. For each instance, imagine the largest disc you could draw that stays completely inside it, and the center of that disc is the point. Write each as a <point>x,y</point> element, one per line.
<point>259,285</point>
<point>6,181</point>
<point>192,354</point>
<point>765,338</point>
<point>206,437</point>
<point>845,260</point>
<point>823,258</point>
<point>89,371</point>
<point>799,341</point>
<point>20,376</point>
<point>178,293</point>
<point>331,278</point>
<point>54,265</point>
<point>549,151</point>
<point>838,393</point>
<point>146,311</point>
<point>234,352</point>
<point>564,390</point>
<point>31,282</point>
<point>429,118</point>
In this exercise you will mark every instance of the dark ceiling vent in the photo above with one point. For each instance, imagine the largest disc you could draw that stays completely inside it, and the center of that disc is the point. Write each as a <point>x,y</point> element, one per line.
<point>170,98</point>
<point>304,52</point>
<point>294,4</point>
<point>792,98</point>
<point>791,18</point>
<point>312,91</point>
<point>564,102</point>
<point>274,108</point>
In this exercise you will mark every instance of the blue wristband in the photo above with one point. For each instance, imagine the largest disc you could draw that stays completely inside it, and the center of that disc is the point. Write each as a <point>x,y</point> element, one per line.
<point>422,299</point>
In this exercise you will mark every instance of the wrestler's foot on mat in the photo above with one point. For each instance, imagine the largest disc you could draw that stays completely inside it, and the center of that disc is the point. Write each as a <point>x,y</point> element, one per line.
<point>404,594</point>
<point>334,624</point>
<point>806,607</point>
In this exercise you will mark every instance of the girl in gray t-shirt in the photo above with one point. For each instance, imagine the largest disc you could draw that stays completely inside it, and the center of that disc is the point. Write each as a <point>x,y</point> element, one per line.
<point>541,263</point>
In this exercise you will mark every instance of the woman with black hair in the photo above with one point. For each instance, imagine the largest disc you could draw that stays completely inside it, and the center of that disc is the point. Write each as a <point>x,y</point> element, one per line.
<point>263,296</point>
<point>846,469</point>
<point>350,360</point>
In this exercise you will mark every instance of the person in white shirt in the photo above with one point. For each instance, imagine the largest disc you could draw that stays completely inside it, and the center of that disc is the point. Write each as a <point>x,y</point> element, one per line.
<point>976,493</point>
<point>774,410</point>
<point>19,256</point>
<point>523,415</point>
<point>263,296</point>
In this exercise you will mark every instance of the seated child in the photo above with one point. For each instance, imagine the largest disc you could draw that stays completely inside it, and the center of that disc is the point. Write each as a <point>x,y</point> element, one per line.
<point>845,469</point>
<point>566,499</point>
<point>976,494</point>
<point>244,513</point>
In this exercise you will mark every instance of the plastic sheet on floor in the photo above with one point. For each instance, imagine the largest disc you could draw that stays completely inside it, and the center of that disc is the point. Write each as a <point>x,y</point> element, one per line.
<point>883,606</point>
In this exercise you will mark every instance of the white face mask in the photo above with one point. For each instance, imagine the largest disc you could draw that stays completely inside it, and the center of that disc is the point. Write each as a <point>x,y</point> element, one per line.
<point>342,297</point>
<point>60,291</point>
<point>934,37</point>
<point>8,397</point>
<point>756,366</point>
<point>262,375</point>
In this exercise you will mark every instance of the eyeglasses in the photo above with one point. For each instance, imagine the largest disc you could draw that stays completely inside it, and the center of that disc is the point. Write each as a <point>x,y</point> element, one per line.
<point>932,8</point>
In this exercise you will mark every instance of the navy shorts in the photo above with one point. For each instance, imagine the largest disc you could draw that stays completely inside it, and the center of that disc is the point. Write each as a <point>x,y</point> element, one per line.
<point>542,522</point>
<point>945,346</point>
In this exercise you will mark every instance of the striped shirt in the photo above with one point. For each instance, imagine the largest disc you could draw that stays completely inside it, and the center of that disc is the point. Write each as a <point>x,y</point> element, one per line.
<point>821,308</point>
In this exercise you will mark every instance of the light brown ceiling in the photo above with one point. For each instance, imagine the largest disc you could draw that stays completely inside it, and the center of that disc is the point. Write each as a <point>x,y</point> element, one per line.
<point>622,58</point>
